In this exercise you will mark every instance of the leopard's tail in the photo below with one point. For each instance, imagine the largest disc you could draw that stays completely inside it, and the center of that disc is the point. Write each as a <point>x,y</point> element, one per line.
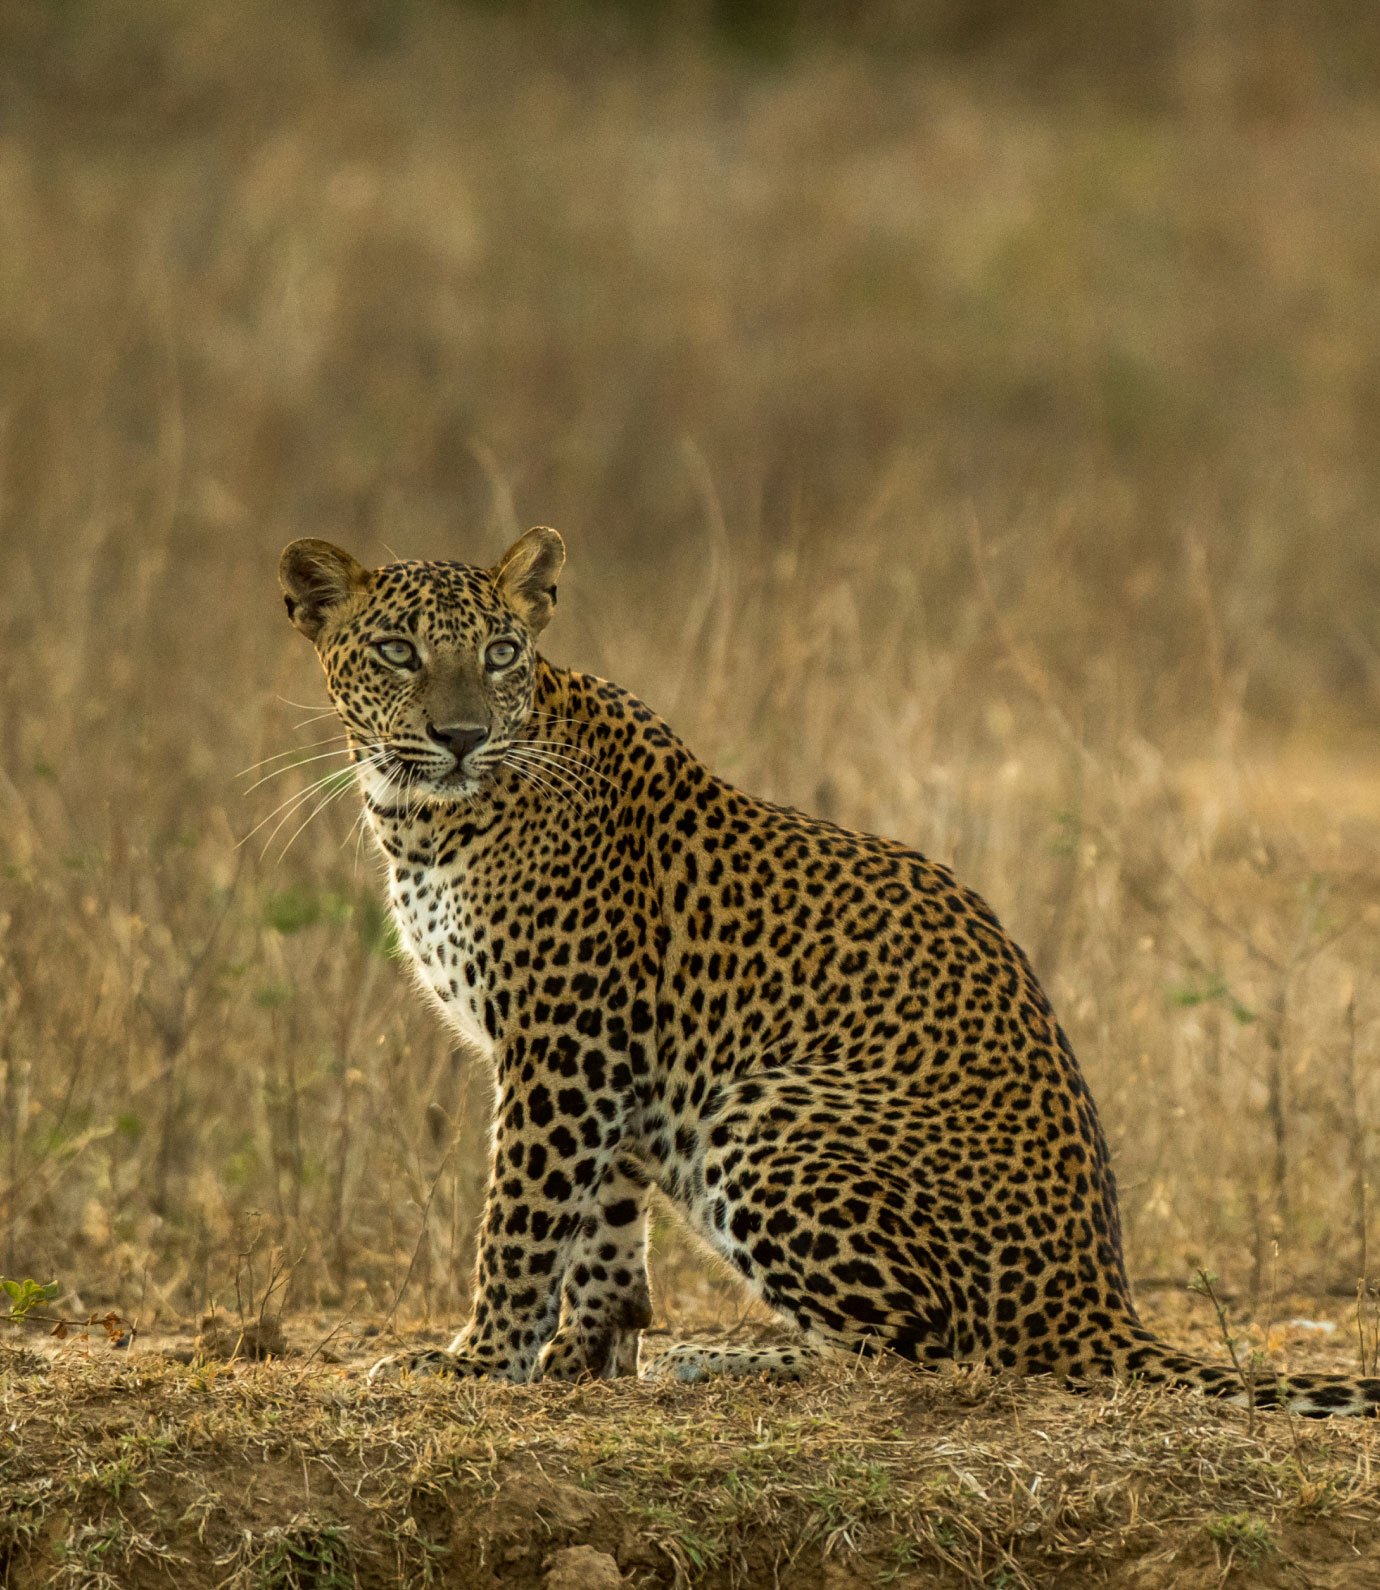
<point>1313,1396</point>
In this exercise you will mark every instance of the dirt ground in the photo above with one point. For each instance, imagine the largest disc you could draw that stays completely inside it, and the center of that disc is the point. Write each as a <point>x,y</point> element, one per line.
<point>157,1464</point>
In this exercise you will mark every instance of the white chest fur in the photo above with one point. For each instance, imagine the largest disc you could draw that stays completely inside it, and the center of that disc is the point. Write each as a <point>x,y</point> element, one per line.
<point>433,922</point>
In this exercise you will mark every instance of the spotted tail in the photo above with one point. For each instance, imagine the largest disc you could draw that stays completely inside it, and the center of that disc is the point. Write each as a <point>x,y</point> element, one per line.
<point>1312,1396</point>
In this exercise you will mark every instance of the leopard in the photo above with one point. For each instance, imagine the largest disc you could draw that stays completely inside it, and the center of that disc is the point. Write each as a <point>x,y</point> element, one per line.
<point>816,1046</point>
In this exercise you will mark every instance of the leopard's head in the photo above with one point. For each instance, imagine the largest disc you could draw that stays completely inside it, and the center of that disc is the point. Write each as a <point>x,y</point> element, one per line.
<point>432,667</point>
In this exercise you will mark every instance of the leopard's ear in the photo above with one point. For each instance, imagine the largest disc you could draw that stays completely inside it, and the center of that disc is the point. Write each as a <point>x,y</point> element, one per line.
<point>528,573</point>
<point>316,578</point>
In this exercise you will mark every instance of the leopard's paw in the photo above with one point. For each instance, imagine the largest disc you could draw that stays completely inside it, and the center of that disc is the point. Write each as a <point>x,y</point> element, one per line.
<point>608,1354</point>
<point>419,1361</point>
<point>690,1364</point>
<point>686,1364</point>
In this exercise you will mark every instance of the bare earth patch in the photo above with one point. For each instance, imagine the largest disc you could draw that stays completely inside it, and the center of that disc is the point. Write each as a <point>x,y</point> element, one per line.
<point>134,1469</point>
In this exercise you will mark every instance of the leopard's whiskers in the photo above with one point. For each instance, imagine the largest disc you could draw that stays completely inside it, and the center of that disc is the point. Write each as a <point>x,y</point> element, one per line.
<point>359,829</point>
<point>575,764</point>
<point>567,781</point>
<point>524,770</point>
<point>294,801</point>
<point>277,772</point>
<point>579,765</point>
<point>526,752</point>
<point>332,796</point>
<point>278,756</point>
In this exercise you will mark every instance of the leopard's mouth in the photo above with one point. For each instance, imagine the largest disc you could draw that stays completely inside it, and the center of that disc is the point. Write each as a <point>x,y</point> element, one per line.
<point>417,777</point>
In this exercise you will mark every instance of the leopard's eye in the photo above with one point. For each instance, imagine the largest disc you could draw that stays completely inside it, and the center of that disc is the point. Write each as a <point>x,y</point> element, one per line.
<point>399,653</point>
<point>501,654</point>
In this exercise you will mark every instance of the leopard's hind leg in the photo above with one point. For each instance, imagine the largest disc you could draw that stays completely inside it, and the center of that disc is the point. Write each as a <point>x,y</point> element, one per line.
<point>836,1242</point>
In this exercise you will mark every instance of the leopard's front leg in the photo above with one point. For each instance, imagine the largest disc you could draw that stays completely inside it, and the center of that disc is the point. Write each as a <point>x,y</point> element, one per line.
<point>606,1301</point>
<point>544,1182</point>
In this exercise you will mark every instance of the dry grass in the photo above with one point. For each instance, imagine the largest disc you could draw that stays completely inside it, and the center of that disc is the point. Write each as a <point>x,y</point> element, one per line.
<point>128,1469</point>
<point>985,468</point>
<point>980,474</point>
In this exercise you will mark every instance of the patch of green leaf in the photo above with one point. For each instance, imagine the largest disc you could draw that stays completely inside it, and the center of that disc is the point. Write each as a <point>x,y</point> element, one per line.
<point>26,1296</point>
<point>1068,827</point>
<point>1213,991</point>
<point>377,930</point>
<point>290,910</point>
<point>301,1555</point>
<point>1243,1534</point>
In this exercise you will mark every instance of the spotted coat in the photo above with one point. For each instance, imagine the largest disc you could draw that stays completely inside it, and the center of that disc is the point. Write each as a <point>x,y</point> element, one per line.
<point>819,1047</point>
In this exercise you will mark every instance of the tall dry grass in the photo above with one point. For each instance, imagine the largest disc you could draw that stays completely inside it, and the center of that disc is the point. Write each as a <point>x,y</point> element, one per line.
<point>987,469</point>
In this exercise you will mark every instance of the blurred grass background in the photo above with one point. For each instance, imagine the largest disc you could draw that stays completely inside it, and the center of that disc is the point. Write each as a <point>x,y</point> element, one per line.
<point>963,418</point>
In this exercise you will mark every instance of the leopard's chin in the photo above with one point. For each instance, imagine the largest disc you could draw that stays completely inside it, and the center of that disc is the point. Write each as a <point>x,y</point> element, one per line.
<point>456,786</point>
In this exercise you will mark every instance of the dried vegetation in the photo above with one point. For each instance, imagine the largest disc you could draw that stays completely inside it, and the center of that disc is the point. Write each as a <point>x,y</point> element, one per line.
<point>293,1474</point>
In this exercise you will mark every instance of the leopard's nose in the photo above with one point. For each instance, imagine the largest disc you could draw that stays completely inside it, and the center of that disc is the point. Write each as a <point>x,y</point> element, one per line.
<point>458,738</point>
